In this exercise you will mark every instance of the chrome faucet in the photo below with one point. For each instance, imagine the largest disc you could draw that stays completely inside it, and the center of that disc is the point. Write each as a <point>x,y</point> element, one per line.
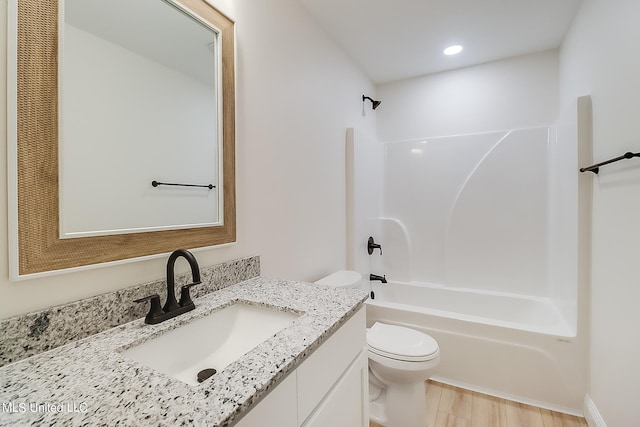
<point>173,308</point>
<point>373,277</point>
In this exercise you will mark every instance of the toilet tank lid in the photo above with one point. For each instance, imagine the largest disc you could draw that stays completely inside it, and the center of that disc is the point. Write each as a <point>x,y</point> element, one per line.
<point>401,341</point>
<point>340,279</point>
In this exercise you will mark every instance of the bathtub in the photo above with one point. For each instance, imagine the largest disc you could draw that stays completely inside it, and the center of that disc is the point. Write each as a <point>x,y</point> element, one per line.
<point>491,308</point>
<point>510,346</point>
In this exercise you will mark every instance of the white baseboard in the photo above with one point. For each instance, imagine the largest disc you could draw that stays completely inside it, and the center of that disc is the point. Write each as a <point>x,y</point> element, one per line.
<point>591,414</point>
<point>520,399</point>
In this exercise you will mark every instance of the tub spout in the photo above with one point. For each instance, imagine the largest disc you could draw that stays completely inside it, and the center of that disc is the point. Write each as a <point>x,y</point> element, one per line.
<point>373,277</point>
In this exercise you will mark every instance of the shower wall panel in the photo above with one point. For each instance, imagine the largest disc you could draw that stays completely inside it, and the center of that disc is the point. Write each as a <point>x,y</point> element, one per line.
<point>472,210</point>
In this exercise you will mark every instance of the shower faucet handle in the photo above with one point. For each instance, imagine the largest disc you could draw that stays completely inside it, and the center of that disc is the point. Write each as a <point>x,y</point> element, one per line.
<point>371,245</point>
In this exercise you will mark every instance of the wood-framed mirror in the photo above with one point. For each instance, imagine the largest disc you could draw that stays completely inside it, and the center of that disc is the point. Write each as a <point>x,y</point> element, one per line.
<point>36,246</point>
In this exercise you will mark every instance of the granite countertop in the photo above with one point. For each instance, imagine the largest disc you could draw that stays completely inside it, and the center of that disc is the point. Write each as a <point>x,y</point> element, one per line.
<point>89,382</point>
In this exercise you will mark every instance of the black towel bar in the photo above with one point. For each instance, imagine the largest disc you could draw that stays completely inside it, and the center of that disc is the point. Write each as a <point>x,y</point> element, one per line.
<point>209,186</point>
<point>596,168</point>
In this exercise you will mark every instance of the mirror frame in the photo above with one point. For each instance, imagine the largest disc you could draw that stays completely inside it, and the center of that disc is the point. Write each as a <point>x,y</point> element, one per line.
<point>39,247</point>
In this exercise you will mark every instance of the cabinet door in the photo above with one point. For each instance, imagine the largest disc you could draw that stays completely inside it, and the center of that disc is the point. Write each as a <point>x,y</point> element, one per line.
<point>278,408</point>
<point>346,405</point>
<point>324,367</point>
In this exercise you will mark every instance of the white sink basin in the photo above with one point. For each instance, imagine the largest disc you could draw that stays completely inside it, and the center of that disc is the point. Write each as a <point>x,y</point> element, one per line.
<point>214,341</point>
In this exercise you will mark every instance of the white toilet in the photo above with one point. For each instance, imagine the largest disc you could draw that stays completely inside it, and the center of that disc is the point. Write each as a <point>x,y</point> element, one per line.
<point>400,361</point>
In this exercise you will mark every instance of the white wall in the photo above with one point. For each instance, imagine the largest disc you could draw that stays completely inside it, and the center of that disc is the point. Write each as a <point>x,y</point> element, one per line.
<point>297,92</point>
<point>600,57</point>
<point>508,94</point>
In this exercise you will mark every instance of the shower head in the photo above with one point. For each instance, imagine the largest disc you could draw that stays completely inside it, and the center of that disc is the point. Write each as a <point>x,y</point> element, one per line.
<point>373,102</point>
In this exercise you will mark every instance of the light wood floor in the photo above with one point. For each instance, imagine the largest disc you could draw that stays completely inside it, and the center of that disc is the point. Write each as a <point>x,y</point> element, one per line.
<point>449,406</point>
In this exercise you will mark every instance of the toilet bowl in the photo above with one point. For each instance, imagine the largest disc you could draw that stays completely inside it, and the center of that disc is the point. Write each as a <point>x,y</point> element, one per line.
<point>401,359</point>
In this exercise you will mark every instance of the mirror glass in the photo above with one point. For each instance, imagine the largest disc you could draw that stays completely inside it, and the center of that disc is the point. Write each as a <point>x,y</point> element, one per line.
<point>138,103</point>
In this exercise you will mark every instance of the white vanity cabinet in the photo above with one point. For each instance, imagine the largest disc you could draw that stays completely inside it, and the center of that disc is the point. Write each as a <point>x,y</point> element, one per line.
<point>347,403</point>
<point>276,409</point>
<point>329,389</point>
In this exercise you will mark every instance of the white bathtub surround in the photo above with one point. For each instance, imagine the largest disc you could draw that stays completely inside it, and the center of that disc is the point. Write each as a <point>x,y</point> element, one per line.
<point>474,209</point>
<point>113,389</point>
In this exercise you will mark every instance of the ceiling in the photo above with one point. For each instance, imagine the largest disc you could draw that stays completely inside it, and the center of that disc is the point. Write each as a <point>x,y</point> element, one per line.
<point>398,39</point>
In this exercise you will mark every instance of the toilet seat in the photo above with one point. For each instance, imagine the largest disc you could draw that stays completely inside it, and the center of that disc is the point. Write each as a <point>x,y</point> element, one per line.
<point>400,343</point>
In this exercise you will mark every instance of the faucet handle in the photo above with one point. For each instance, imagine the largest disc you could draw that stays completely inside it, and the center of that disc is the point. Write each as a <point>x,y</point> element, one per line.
<point>371,245</point>
<point>185,298</point>
<point>154,310</point>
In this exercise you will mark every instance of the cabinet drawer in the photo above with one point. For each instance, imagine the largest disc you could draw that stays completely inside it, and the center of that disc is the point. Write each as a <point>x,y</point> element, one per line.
<point>323,368</point>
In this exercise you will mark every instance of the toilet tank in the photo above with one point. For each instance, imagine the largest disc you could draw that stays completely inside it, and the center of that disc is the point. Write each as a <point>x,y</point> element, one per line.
<point>342,279</point>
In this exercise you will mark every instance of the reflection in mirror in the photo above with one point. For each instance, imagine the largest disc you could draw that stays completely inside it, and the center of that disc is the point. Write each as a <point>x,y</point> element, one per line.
<point>138,103</point>
<point>36,154</point>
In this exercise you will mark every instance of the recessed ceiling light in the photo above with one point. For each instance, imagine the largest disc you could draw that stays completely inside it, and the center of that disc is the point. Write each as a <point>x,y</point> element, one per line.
<point>453,50</point>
